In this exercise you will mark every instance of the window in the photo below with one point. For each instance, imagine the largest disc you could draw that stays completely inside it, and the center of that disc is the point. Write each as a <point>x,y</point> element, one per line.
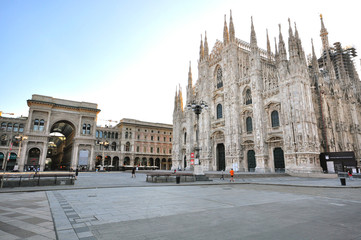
<point>84,128</point>
<point>41,125</point>
<point>138,136</point>
<point>10,127</point>
<point>101,134</point>
<point>144,149</point>
<point>3,126</point>
<point>185,137</point>
<point>21,128</point>
<point>219,78</point>
<point>138,149</point>
<point>170,151</point>
<point>16,127</point>
<point>113,135</point>
<point>116,135</point>
<point>275,119</point>
<point>164,139</point>
<point>127,147</point>
<point>114,146</point>
<point>151,138</point>
<point>158,150</point>
<point>36,125</point>
<point>151,149</point>
<point>170,139</point>
<point>105,134</point>
<point>97,134</point>
<point>126,134</point>
<point>249,127</point>
<point>158,138</point>
<point>219,111</point>
<point>248,97</point>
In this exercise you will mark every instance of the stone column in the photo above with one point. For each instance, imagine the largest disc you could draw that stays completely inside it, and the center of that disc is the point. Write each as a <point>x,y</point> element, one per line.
<point>21,163</point>
<point>75,156</point>
<point>43,156</point>
<point>91,159</point>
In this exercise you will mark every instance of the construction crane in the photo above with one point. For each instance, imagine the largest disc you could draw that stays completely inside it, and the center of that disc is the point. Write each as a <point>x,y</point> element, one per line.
<point>1,113</point>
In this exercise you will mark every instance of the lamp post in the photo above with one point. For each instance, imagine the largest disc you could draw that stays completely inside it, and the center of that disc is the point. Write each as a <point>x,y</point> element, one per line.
<point>104,144</point>
<point>197,109</point>
<point>20,138</point>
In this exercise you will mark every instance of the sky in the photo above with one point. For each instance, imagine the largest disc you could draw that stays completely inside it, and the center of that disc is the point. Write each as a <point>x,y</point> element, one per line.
<point>129,57</point>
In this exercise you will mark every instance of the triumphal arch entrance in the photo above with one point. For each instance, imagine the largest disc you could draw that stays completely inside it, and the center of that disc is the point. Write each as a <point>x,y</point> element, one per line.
<point>59,134</point>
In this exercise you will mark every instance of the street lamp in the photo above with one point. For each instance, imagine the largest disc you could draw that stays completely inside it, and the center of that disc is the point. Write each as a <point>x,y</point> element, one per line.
<point>197,109</point>
<point>104,144</point>
<point>20,138</point>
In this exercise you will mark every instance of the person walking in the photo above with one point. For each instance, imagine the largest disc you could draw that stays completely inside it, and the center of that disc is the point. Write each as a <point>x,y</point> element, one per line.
<point>222,176</point>
<point>232,175</point>
<point>76,173</point>
<point>133,172</point>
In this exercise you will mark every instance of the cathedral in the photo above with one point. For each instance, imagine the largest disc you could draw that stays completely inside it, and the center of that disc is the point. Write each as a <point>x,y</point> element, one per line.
<point>268,111</point>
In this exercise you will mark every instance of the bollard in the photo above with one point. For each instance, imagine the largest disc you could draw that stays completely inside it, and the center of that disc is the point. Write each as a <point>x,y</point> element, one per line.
<point>343,181</point>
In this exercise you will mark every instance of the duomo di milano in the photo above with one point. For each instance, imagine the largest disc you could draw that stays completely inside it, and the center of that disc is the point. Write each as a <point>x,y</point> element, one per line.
<point>269,112</point>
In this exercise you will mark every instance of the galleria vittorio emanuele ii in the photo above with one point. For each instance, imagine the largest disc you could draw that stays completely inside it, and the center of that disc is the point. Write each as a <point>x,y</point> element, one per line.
<point>270,111</point>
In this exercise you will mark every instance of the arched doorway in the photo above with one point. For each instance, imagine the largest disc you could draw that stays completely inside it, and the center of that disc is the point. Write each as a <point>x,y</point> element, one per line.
<point>32,162</point>
<point>116,163</point>
<point>151,161</point>
<point>137,161</point>
<point>1,160</point>
<point>83,159</point>
<point>157,163</point>
<point>164,164</point>
<point>251,160</point>
<point>11,162</point>
<point>126,161</point>
<point>144,161</point>
<point>60,145</point>
<point>279,160</point>
<point>107,161</point>
<point>221,159</point>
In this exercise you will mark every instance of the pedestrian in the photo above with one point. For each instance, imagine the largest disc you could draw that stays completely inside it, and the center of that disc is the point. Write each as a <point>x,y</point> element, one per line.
<point>133,172</point>
<point>222,176</point>
<point>76,173</point>
<point>232,175</point>
<point>350,174</point>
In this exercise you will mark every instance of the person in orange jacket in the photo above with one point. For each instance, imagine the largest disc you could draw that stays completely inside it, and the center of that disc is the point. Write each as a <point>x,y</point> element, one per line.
<point>232,175</point>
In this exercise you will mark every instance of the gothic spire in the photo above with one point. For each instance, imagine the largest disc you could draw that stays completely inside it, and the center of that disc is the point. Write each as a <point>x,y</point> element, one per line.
<point>225,32</point>
<point>323,35</point>
<point>291,42</point>
<point>281,46</point>
<point>232,37</point>
<point>201,50</point>
<point>190,81</point>
<point>253,37</point>
<point>314,58</point>
<point>206,51</point>
<point>268,47</point>
<point>180,99</point>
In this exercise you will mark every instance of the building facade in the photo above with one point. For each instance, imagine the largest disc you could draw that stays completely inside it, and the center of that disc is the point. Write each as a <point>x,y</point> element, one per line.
<point>61,134</point>
<point>269,111</point>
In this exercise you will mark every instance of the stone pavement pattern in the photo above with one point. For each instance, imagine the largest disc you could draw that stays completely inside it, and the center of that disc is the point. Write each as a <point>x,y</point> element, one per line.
<point>115,206</point>
<point>25,216</point>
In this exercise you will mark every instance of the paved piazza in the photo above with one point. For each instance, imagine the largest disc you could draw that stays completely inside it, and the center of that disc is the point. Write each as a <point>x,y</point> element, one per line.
<point>220,210</point>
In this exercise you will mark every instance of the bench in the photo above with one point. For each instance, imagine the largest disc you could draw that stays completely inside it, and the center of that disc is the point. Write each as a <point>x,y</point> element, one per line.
<point>158,177</point>
<point>30,179</point>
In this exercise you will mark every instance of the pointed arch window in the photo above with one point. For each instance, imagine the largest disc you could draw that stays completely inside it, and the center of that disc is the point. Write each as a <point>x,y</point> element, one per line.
<point>248,97</point>
<point>185,137</point>
<point>275,119</point>
<point>249,127</point>
<point>219,78</point>
<point>219,111</point>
